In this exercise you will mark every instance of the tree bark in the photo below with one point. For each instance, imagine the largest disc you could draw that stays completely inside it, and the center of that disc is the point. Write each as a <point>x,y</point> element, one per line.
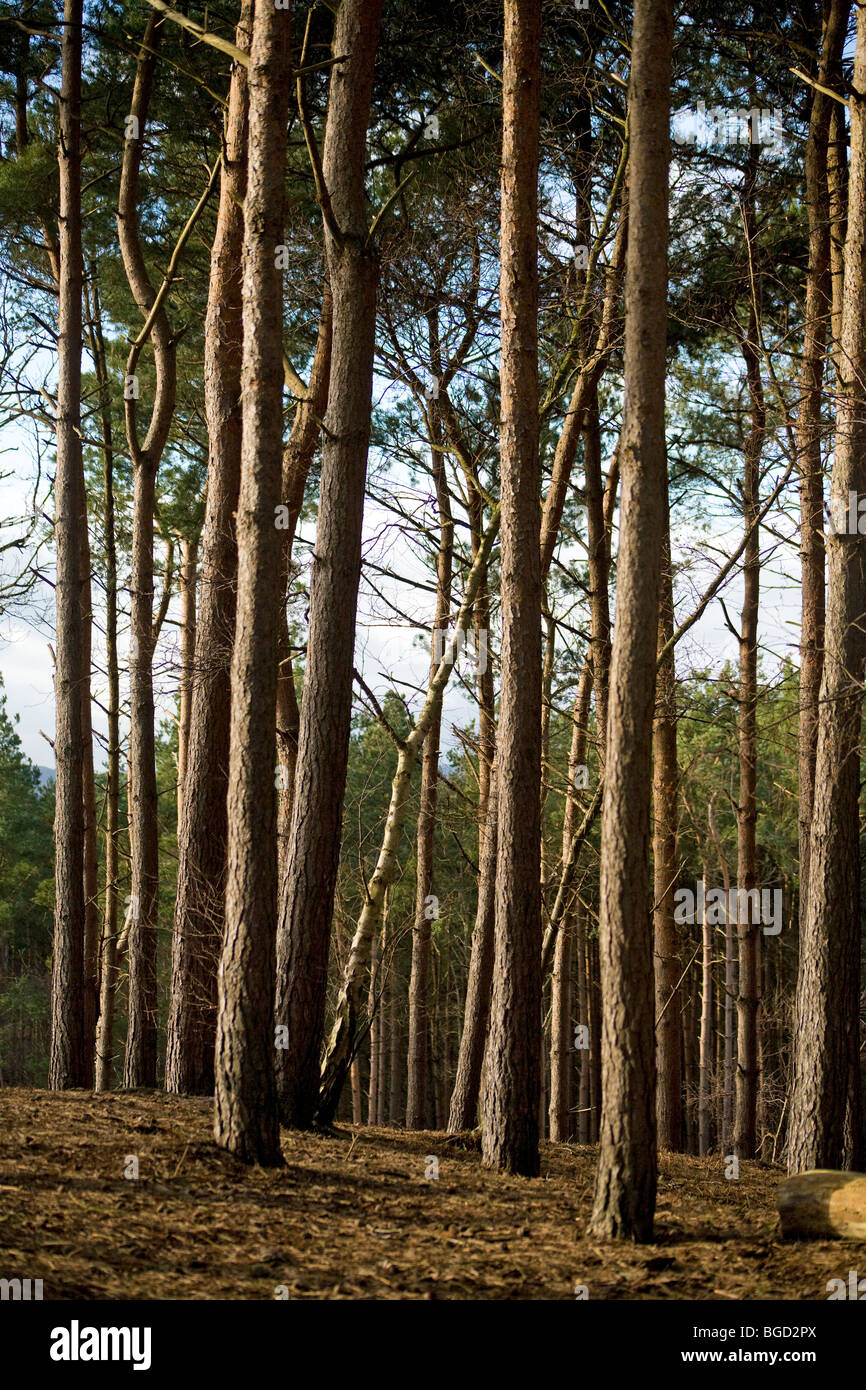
<point>246,1121</point>
<point>307,900</point>
<point>809,426</point>
<point>509,1107</point>
<point>68,1063</point>
<point>625,1191</point>
<point>139,1067</point>
<point>108,943</point>
<point>825,1123</point>
<point>297,460</point>
<point>203,824</point>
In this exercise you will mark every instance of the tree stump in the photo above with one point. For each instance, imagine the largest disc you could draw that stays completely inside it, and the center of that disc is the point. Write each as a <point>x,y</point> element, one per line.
<point>823,1204</point>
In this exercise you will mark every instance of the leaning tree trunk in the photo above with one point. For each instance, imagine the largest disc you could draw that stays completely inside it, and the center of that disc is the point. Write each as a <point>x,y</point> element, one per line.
<point>139,1067</point>
<point>510,1098</point>
<point>426,908</point>
<point>307,900</point>
<point>626,1180</point>
<point>467,1081</point>
<point>470,1058</point>
<point>341,1044</point>
<point>69,1063</point>
<point>246,1121</point>
<point>203,826</point>
<point>824,1126</point>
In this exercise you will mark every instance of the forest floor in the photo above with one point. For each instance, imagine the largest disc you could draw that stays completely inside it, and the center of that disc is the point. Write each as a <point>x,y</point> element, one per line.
<point>354,1216</point>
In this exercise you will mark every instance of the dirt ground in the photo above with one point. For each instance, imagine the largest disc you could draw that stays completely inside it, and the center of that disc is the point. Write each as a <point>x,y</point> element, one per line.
<point>357,1216</point>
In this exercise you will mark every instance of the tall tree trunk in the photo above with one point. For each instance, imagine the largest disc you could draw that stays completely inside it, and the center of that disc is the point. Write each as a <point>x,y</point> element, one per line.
<point>139,1067</point>
<point>706,1042</point>
<point>68,1064</point>
<point>425,906</point>
<point>825,1126</point>
<point>748,932</point>
<point>727,1129</point>
<point>374,1016</point>
<point>307,901</point>
<point>509,1109</point>
<point>666,943</point>
<point>297,460</point>
<point>626,1180</point>
<point>584,1090</point>
<point>395,1089</point>
<point>464,1096</point>
<point>561,1032</point>
<point>246,1122</point>
<point>88,811</point>
<point>203,824</point>
<point>467,1083</point>
<point>188,581</point>
<point>809,426</point>
<point>108,944</point>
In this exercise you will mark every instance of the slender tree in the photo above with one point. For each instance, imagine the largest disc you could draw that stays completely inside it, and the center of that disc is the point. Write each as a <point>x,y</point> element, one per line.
<point>69,1064</point>
<point>139,1067</point>
<point>509,1110</point>
<point>625,1189</point>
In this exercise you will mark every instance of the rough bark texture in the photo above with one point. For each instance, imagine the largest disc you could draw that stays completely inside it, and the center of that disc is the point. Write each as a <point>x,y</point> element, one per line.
<point>246,1122</point>
<point>297,460</point>
<point>203,827</point>
<point>307,900</point>
<point>626,1181</point>
<point>824,1204</point>
<point>818,306</point>
<point>825,1123</point>
<point>68,1063</point>
<point>509,1107</point>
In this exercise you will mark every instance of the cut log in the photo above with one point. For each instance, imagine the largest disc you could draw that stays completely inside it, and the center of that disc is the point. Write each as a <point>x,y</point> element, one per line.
<point>823,1204</point>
